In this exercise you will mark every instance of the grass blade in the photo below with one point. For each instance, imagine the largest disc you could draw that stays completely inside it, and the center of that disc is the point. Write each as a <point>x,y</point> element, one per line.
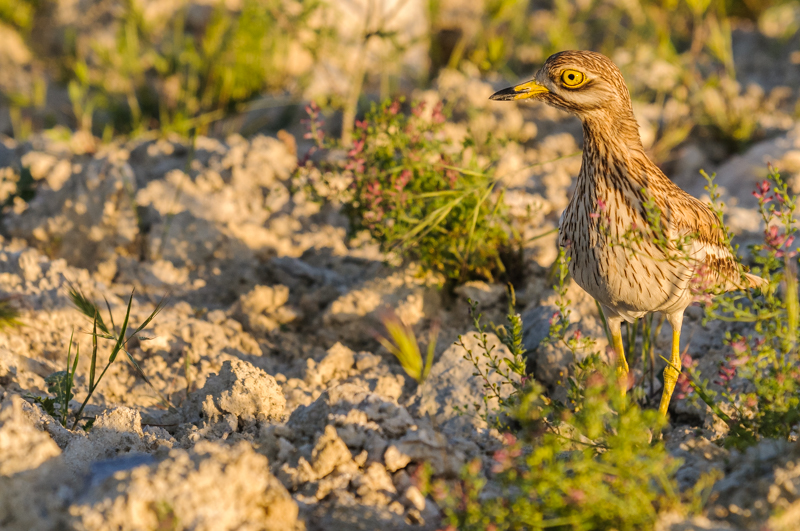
<point>403,345</point>
<point>110,315</point>
<point>463,171</point>
<point>71,380</point>
<point>66,385</point>
<point>159,307</point>
<point>87,307</point>
<point>8,315</point>
<point>121,338</point>
<point>144,377</point>
<point>93,366</point>
<point>430,222</point>
<point>474,223</point>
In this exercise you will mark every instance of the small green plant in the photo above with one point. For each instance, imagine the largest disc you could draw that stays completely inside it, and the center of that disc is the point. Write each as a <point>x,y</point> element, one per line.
<point>402,343</point>
<point>598,469</point>
<point>421,195</point>
<point>757,388</point>
<point>488,361</point>
<point>590,463</point>
<point>61,384</point>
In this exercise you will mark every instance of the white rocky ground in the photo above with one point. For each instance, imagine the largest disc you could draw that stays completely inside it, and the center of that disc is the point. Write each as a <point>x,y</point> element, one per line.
<point>286,413</point>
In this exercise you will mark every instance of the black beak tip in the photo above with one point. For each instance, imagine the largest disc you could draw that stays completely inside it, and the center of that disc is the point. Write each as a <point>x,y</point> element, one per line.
<point>507,94</point>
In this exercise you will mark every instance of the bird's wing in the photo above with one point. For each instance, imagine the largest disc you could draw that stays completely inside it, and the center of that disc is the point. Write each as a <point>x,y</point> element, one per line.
<point>690,217</point>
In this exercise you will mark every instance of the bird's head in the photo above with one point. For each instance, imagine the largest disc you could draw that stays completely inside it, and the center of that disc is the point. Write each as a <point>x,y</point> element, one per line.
<point>580,82</point>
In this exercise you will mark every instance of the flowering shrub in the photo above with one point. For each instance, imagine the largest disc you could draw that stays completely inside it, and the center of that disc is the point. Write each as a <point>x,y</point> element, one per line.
<point>587,463</point>
<point>421,195</point>
<point>757,387</point>
<point>595,468</point>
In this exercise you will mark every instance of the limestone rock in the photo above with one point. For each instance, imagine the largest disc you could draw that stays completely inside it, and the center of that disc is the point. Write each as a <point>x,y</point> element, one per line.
<point>241,394</point>
<point>212,487</point>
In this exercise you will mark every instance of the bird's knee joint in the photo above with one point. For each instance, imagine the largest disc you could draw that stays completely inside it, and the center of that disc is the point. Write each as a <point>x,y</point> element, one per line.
<point>671,374</point>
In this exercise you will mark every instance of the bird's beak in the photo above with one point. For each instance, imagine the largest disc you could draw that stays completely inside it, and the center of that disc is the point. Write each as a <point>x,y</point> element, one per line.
<point>519,92</point>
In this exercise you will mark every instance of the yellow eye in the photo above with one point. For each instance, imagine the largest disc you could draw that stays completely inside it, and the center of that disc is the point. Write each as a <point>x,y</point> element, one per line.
<point>573,78</point>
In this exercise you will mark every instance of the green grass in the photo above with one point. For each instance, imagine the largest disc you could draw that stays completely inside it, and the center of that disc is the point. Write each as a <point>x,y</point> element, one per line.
<point>61,384</point>
<point>179,80</point>
<point>402,343</point>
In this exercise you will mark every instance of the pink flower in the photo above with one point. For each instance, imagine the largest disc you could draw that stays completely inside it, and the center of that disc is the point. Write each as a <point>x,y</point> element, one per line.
<point>312,109</point>
<point>504,457</point>
<point>738,362</point>
<point>356,165</point>
<point>726,374</point>
<point>776,240</point>
<point>683,386</point>
<point>601,206</point>
<point>358,147</point>
<point>739,345</point>
<point>394,108</point>
<point>402,180</point>
<point>761,191</point>
<point>576,496</point>
<point>438,115</point>
<point>452,177</point>
<point>701,286</point>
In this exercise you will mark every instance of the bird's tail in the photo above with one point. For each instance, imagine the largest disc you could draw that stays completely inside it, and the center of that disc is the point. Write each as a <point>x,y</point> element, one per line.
<point>754,281</point>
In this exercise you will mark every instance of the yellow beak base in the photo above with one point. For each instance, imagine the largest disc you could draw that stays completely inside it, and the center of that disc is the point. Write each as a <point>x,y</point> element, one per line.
<point>519,92</point>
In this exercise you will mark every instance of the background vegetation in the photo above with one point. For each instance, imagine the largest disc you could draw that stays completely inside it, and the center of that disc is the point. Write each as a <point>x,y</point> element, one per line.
<point>132,67</point>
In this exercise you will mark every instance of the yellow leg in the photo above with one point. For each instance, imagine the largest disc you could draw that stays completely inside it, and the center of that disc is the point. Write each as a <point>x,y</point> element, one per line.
<point>622,364</point>
<point>673,370</point>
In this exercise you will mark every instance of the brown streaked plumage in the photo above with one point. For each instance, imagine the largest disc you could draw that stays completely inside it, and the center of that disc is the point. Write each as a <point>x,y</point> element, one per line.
<point>615,182</point>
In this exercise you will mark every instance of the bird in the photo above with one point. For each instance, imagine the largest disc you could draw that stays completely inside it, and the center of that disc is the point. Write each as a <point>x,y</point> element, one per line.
<point>634,240</point>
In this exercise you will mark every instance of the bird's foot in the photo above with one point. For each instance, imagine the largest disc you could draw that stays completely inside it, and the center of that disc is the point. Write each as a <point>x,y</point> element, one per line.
<point>670,379</point>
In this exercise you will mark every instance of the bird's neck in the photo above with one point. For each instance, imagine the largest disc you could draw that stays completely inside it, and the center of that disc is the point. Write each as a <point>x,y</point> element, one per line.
<point>615,167</point>
<point>612,129</point>
<point>612,149</point>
